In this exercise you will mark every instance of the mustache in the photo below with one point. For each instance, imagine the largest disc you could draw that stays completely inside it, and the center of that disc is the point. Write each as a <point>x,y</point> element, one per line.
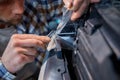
<point>10,22</point>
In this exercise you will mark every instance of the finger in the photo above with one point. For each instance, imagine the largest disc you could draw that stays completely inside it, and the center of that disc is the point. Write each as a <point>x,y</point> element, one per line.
<point>26,51</point>
<point>29,43</point>
<point>31,36</point>
<point>79,12</point>
<point>23,59</point>
<point>29,59</point>
<point>77,4</point>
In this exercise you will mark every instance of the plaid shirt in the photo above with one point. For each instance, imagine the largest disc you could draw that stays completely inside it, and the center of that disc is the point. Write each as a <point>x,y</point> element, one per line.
<point>4,74</point>
<point>39,18</point>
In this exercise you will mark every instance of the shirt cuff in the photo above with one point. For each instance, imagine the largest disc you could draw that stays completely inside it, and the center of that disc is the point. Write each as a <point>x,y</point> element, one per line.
<point>4,74</point>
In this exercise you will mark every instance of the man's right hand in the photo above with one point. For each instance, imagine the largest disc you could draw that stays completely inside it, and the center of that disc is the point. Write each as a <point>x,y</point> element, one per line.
<point>21,50</point>
<point>78,6</point>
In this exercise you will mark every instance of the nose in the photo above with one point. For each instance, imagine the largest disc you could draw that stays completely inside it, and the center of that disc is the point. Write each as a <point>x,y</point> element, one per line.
<point>18,8</point>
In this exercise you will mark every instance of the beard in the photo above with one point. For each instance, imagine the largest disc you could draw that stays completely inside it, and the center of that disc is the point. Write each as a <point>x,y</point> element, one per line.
<point>14,21</point>
<point>11,21</point>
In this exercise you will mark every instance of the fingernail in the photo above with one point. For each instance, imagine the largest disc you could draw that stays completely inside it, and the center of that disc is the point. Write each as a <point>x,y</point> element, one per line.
<point>71,8</point>
<point>67,5</point>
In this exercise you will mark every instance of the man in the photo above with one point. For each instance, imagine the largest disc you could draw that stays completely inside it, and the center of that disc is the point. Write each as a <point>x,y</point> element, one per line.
<point>18,43</point>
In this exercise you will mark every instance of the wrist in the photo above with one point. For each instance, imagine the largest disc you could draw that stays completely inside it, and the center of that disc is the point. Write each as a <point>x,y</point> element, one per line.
<point>8,65</point>
<point>4,73</point>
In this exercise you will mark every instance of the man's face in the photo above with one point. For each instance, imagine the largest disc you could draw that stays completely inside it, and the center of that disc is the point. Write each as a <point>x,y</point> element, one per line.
<point>11,11</point>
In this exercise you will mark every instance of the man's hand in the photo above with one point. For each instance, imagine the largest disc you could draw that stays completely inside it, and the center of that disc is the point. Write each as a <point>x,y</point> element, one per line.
<point>21,50</point>
<point>78,6</point>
